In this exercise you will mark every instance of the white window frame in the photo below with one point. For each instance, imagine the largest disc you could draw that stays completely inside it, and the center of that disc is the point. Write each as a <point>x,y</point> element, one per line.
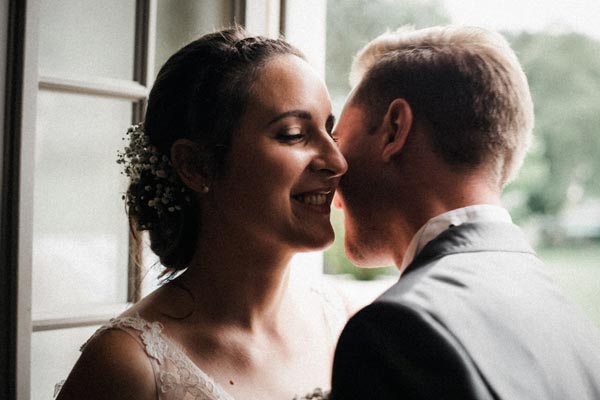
<point>19,133</point>
<point>134,90</point>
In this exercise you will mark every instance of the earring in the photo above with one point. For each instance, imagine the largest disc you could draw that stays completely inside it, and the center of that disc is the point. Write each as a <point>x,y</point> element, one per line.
<point>204,189</point>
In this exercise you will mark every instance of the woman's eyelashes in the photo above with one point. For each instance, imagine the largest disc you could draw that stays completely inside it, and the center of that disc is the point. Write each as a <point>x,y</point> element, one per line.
<point>297,135</point>
<point>289,136</point>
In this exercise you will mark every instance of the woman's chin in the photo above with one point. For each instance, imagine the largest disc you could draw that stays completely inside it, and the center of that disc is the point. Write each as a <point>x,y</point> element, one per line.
<point>319,242</point>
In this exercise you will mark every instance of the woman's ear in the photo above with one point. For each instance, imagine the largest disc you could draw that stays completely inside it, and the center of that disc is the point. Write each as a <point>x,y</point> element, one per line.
<point>397,124</point>
<point>186,159</point>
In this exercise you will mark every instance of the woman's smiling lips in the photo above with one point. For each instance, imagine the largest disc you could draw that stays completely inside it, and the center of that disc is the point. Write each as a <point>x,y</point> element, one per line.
<point>316,200</point>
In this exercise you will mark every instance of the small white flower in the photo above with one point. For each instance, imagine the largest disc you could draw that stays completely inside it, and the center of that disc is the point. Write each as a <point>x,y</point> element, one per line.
<point>138,157</point>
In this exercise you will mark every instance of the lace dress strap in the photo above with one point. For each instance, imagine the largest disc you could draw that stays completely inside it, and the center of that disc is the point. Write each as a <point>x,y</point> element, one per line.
<point>149,333</point>
<point>176,376</point>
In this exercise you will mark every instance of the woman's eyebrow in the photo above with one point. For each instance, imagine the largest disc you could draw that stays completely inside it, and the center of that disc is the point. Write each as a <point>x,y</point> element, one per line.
<point>293,113</point>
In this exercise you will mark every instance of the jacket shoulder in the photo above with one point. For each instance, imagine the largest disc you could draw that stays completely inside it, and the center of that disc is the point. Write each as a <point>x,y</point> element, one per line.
<point>389,350</point>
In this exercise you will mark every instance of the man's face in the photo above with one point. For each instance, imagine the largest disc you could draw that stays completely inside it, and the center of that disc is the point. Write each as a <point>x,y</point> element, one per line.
<point>362,192</point>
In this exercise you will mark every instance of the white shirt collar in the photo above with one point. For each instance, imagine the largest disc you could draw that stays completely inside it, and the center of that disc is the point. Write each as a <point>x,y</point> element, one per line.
<point>437,225</point>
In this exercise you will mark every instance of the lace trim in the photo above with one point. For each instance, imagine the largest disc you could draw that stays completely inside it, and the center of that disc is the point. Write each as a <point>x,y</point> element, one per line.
<point>150,334</point>
<point>187,378</point>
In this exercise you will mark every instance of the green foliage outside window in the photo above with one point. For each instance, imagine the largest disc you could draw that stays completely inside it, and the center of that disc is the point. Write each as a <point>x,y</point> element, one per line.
<point>564,76</point>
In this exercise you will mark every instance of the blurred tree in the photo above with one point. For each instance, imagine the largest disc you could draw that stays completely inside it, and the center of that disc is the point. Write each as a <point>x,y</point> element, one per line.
<point>351,24</point>
<point>564,76</point>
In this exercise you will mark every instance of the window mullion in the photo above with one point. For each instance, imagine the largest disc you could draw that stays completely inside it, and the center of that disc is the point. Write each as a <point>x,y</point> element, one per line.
<point>92,316</point>
<point>115,88</point>
<point>23,101</point>
<point>145,45</point>
<point>145,42</point>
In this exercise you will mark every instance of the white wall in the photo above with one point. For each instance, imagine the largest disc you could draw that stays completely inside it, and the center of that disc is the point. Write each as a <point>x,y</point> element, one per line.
<point>305,27</point>
<point>262,17</point>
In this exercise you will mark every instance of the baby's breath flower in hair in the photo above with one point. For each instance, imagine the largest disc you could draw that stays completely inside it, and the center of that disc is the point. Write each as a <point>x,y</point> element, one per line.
<point>154,184</point>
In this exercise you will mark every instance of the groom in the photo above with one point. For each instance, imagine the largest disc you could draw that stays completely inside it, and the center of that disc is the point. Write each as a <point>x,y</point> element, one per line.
<point>437,124</point>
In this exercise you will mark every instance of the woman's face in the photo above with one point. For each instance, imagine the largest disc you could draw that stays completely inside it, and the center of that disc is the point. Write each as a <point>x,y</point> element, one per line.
<point>284,166</point>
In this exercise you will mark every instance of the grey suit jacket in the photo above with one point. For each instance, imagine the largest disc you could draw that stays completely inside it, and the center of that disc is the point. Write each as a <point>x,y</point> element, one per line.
<point>473,317</point>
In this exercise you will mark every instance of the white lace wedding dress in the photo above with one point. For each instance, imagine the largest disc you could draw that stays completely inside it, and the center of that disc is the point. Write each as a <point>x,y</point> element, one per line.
<point>176,376</point>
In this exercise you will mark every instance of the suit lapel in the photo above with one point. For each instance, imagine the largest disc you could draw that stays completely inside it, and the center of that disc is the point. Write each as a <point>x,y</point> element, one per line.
<point>473,237</point>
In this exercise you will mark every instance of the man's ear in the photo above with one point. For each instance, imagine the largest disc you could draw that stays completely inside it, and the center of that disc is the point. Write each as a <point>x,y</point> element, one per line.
<point>186,159</point>
<point>397,124</point>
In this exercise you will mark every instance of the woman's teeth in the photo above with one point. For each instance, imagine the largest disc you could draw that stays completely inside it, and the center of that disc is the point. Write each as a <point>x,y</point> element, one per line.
<point>313,199</point>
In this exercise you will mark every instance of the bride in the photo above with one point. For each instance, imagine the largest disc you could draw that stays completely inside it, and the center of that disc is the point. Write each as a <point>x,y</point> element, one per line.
<point>232,173</point>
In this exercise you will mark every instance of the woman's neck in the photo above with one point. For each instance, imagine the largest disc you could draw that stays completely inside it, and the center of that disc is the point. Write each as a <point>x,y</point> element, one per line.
<point>238,282</point>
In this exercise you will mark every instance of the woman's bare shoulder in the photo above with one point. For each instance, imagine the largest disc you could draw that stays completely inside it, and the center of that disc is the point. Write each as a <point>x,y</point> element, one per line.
<point>113,365</point>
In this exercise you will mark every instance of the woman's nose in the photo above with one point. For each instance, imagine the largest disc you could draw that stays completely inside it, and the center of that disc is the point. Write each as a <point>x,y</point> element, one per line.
<point>329,158</point>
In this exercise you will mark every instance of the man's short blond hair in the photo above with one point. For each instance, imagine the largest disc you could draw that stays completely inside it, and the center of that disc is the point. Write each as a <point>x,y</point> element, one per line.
<point>465,82</point>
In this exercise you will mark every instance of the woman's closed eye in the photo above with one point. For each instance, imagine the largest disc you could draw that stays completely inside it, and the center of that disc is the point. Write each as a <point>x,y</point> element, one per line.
<point>291,135</point>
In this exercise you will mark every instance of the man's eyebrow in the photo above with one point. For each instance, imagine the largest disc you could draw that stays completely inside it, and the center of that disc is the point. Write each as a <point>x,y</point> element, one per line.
<point>293,113</point>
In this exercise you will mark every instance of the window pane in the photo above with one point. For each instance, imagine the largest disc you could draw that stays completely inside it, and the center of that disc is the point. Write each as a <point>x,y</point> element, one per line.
<point>53,354</point>
<point>180,22</point>
<point>87,37</point>
<point>80,231</point>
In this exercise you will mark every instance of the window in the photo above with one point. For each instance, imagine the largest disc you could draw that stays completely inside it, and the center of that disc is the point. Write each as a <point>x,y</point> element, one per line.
<point>88,91</point>
<point>86,69</point>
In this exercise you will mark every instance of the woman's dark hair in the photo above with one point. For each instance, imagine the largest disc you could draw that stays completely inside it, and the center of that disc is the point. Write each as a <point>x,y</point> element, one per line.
<point>200,94</point>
